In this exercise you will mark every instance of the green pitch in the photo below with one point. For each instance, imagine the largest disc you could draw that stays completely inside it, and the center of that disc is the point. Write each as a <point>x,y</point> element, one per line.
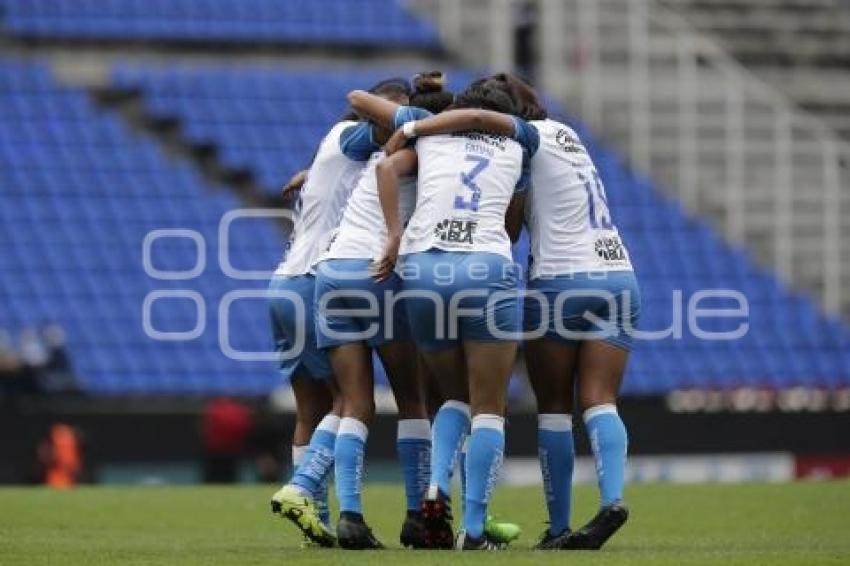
<point>803,523</point>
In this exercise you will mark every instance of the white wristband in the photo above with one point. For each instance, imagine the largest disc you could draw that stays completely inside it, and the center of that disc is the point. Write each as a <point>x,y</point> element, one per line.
<point>409,129</point>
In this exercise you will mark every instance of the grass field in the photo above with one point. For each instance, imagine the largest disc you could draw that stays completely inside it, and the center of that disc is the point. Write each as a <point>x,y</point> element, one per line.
<point>803,523</point>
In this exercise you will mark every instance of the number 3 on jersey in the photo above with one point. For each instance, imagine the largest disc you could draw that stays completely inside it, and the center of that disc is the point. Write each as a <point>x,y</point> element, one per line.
<point>468,181</point>
<point>599,216</point>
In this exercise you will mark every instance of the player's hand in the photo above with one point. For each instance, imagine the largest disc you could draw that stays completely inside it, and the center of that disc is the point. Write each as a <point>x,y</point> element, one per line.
<point>383,268</point>
<point>294,184</point>
<point>397,141</point>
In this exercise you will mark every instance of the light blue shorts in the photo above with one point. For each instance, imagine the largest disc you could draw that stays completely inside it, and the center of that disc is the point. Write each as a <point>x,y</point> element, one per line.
<point>579,307</point>
<point>288,320</point>
<point>352,307</point>
<point>460,296</point>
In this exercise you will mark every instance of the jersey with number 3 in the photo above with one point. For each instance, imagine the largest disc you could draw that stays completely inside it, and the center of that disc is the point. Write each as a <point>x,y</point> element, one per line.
<point>567,214</point>
<point>465,183</point>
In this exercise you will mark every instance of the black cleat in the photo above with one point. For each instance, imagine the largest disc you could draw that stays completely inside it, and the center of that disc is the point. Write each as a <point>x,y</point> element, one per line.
<point>437,520</point>
<point>352,533</point>
<point>548,541</point>
<point>594,534</point>
<point>465,542</point>
<point>413,531</point>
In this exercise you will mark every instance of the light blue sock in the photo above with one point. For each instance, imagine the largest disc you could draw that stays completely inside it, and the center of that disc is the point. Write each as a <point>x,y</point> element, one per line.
<point>556,452</point>
<point>313,470</point>
<point>349,454</point>
<point>297,457</point>
<point>483,461</point>
<point>461,466</point>
<point>322,503</point>
<point>413,445</point>
<point>450,425</point>
<point>609,443</point>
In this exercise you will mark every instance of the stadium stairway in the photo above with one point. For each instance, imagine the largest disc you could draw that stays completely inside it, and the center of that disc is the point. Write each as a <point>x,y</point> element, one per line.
<point>802,47</point>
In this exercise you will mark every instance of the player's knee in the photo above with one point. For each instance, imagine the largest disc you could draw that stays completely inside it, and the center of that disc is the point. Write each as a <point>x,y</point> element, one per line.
<point>361,408</point>
<point>411,407</point>
<point>595,396</point>
<point>550,404</point>
<point>491,402</point>
<point>336,406</point>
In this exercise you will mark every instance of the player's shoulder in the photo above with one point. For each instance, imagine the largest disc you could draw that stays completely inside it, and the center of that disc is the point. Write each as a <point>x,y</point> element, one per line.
<point>334,136</point>
<point>557,135</point>
<point>405,114</point>
<point>341,126</point>
<point>549,126</point>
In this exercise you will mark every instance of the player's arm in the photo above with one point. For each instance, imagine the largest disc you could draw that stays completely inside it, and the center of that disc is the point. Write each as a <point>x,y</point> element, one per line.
<point>452,121</point>
<point>294,184</point>
<point>379,110</point>
<point>515,216</point>
<point>387,174</point>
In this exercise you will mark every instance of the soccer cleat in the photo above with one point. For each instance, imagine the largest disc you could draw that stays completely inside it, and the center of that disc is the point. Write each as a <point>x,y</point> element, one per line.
<point>290,502</point>
<point>594,534</point>
<point>499,532</point>
<point>413,531</point>
<point>353,533</point>
<point>465,542</point>
<point>437,519</point>
<point>548,541</point>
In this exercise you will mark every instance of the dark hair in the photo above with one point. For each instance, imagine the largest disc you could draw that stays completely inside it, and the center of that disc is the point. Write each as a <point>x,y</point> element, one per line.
<point>429,92</point>
<point>525,99</point>
<point>395,86</point>
<point>488,94</point>
<point>392,88</point>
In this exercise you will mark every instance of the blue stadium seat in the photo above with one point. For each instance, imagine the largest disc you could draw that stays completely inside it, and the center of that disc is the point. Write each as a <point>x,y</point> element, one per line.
<point>325,22</point>
<point>84,192</point>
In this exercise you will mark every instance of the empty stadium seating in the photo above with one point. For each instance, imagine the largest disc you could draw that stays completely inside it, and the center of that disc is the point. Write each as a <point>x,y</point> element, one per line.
<point>271,122</point>
<point>328,22</point>
<point>265,122</point>
<point>79,192</point>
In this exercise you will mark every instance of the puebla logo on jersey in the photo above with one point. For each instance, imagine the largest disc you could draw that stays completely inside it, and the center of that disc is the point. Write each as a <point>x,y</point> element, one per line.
<point>610,248</point>
<point>456,231</point>
<point>569,142</point>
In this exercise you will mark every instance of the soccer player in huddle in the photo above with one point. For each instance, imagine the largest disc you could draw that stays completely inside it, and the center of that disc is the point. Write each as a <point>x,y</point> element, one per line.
<point>466,183</point>
<point>339,161</point>
<point>345,286</point>
<point>577,253</point>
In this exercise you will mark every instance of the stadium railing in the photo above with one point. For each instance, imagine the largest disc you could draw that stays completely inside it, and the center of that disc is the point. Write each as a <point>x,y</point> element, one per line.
<point>729,146</point>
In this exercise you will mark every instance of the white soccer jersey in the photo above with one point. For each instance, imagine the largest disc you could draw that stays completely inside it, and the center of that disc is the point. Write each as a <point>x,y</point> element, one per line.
<point>332,176</point>
<point>567,212</point>
<point>465,183</point>
<point>362,234</point>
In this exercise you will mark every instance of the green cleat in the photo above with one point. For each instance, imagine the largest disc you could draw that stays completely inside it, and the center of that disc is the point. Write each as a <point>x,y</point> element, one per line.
<point>290,503</point>
<point>499,532</point>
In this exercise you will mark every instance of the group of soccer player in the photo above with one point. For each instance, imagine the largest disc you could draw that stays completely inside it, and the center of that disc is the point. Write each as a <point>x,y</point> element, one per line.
<point>401,248</point>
